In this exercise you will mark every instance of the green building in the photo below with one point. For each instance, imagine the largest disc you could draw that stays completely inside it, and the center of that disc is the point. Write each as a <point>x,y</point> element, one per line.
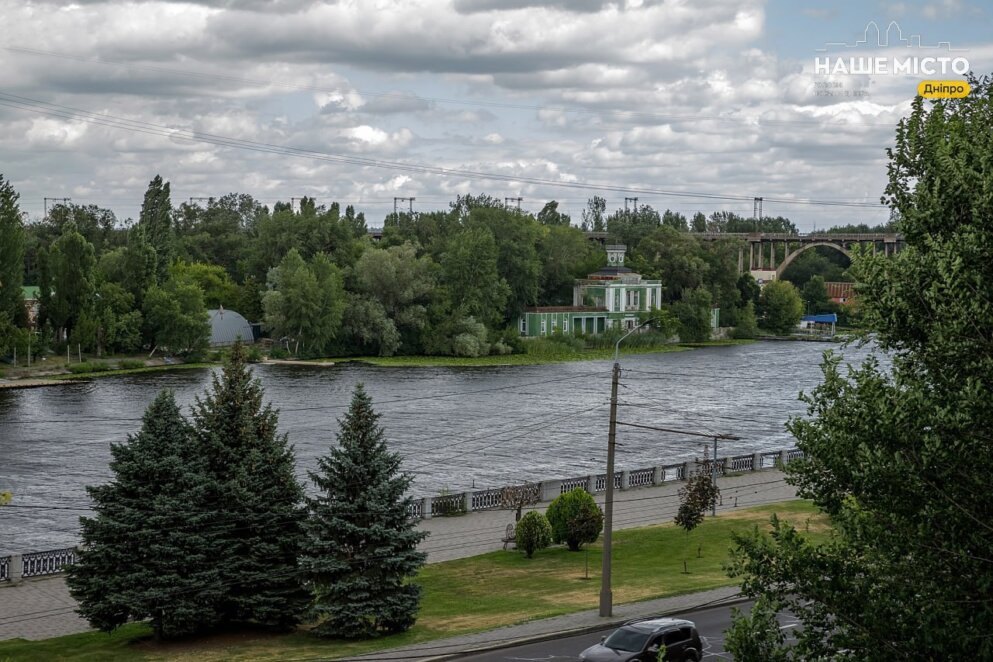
<point>610,298</point>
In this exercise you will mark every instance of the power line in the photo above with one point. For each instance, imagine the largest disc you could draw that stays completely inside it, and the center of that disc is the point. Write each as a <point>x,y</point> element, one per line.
<point>69,112</point>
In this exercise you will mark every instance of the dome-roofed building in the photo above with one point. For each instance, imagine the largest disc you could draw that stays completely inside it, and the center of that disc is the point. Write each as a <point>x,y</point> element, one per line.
<point>227,326</point>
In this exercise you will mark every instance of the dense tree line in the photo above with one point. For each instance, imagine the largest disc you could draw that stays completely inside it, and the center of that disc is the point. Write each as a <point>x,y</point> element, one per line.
<point>444,282</point>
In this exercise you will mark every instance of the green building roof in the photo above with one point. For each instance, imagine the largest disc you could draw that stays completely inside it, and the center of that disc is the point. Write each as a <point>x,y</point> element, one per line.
<point>30,292</point>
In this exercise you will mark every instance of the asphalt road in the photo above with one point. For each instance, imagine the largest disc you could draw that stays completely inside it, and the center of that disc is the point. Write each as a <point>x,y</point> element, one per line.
<point>711,623</point>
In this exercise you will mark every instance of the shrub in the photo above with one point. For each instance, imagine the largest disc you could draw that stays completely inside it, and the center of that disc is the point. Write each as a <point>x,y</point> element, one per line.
<point>278,352</point>
<point>79,368</point>
<point>131,364</point>
<point>254,354</point>
<point>575,518</point>
<point>499,348</point>
<point>533,533</point>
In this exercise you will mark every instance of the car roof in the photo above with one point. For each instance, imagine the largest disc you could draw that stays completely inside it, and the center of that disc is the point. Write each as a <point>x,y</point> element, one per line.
<point>658,624</point>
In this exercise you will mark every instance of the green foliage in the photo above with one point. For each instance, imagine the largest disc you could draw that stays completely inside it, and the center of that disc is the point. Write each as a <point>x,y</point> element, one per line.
<point>780,307</point>
<point>830,264</point>
<point>11,256</point>
<point>177,316</point>
<point>131,364</point>
<point>86,366</point>
<point>147,552</point>
<point>215,283</point>
<point>251,470</point>
<point>748,326</point>
<point>693,313</point>
<point>469,265</point>
<point>155,222</point>
<point>756,636</point>
<point>305,301</point>
<point>898,457</point>
<point>360,549</point>
<point>699,495</point>
<point>532,533</point>
<point>575,518</point>
<point>71,261</point>
<point>815,296</point>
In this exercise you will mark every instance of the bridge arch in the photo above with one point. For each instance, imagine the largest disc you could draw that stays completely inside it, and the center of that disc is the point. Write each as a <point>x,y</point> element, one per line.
<point>804,247</point>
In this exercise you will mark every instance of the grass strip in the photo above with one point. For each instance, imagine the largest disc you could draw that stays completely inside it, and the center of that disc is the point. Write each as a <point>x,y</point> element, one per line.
<point>473,594</point>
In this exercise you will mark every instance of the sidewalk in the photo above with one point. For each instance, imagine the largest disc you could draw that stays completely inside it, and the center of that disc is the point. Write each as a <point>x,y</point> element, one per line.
<point>42,608</point>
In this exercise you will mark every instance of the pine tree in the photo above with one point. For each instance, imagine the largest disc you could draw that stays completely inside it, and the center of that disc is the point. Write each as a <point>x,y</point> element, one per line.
<point>360,549</point>
<point>148,552</point>
<point>257,493</point>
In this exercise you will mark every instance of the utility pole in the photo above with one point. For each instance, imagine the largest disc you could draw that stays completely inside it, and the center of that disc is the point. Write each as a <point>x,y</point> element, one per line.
<point>409,201</point>
<point>62,200</point>
<point>635,205</point>
<point>507,201</point>
<point>198,200</point>
<point>606,595</point>
<point>757,209</point>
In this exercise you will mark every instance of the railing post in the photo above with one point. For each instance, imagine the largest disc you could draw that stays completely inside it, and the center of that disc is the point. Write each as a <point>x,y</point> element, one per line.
<point>783,458</point>
<point>756,461</point>
<point>659,476</point>
<point>686,470</point>
<point>467,497</point>
<point>16,569</point>
<point>625,480</point>
<point>591,484</point>
<point>426,510</point>
<point>550,489</point>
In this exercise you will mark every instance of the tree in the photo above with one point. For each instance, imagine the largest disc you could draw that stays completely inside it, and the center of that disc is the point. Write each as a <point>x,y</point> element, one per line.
<point>11,255</point>
<point>360,550</point>
<point>155,221</point>
<point>756,636</point>
<point>117,325</point>
<point>215,283</point>
<point>693,313</point>
<point>532,533</point>
<point>565,254</point>
<point>305,302</point>
<point>780,307</point>
<point>148,550</point>
<point>594,216</point>
<point>699,223</point>
<point>675,220</point>
<point>815,296</point>
<point>696,497</point>
<point>748,326</point>
<point>251,468</point>
<point>71,262</point>
<point>575,518</point>
<point>517,497</point>
<point>177,317</point>
<point>402,283</point>
<point>898,456</point>
<point>550,215</point>
<point>469,267</point>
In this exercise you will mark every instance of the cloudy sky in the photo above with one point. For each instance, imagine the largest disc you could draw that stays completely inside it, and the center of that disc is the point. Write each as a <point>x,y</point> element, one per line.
<point>362,101</point>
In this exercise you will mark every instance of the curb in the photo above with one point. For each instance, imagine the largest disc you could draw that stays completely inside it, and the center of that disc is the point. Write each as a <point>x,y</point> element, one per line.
<point>548,636</point>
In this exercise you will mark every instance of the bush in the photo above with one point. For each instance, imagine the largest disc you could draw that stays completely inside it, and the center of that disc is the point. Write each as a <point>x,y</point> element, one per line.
<point>131,364</point>
<point>499,348</point>
<point>533,533</point>
<point>575,518</point>
<point>79,368</point>
<point>278,352</point>
<point>747,327</point>
<point>254,354</point>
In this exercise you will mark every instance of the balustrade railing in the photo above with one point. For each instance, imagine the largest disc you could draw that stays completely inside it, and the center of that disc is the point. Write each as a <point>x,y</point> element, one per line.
<point>794,454</point>
<point>47,563</point>
<point>742,463</point>
<point>769,460</point>
<point>487,499</point>
<point>4,568</point>
<point>641,477</point>
<point>448,504</point>
<point>572,483</point>
<point>672,472</point>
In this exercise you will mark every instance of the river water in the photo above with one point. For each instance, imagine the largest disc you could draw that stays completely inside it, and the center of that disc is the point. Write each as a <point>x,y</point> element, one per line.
<point>458,428</point>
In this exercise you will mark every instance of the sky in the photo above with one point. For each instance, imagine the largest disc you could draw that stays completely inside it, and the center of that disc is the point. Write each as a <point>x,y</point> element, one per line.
<point>687,105</point>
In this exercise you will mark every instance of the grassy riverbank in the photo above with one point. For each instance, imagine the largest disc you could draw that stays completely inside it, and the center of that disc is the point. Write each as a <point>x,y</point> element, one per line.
<point>57,369</point>
<point>474,594</point>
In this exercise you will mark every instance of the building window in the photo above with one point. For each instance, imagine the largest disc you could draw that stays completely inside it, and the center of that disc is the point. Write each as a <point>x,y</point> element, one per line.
<point>543,327</point>
<point>565,326</point>
<point>524,325</point>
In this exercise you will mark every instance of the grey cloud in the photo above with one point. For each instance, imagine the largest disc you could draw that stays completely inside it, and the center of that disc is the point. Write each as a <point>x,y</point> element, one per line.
<point>395,102</point>
<point>579,6</point>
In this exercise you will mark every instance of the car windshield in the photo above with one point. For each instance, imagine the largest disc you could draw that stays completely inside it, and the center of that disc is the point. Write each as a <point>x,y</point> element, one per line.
<point>626,639</point>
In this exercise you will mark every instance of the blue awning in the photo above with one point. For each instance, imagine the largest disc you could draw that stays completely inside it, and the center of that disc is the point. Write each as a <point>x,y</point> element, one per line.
<point>825,318</point>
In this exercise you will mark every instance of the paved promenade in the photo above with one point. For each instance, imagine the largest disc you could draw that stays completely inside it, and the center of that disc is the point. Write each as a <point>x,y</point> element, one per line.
<point>42,608</point>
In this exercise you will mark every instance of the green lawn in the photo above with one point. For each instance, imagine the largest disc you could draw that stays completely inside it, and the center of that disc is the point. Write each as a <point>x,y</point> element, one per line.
<point>478,593</point>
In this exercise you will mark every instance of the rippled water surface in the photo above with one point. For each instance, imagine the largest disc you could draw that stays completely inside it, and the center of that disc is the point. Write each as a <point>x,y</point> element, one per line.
<point>458,428</point>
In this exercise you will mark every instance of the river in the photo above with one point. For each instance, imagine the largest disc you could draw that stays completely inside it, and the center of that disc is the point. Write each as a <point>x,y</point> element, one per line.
<point>458,428</point>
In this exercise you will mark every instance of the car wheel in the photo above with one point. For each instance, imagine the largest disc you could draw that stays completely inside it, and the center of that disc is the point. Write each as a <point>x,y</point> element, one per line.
<point>691,657</point>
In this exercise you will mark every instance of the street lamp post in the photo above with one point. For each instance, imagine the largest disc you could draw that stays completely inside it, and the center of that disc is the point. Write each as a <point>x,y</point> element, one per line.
<point>606,596</point>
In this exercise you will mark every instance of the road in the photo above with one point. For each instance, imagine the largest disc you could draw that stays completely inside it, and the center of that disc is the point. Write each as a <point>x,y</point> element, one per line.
<point>711,622</point>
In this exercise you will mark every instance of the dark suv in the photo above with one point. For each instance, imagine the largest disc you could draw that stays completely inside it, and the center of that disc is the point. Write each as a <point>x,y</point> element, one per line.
<point>640,641</point>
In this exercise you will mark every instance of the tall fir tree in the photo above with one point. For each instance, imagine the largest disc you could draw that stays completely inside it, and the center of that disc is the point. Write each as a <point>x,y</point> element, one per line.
<point>360,551</point>
<point>149,550</point>
<point>156,223</point>
<point>252,467</point>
